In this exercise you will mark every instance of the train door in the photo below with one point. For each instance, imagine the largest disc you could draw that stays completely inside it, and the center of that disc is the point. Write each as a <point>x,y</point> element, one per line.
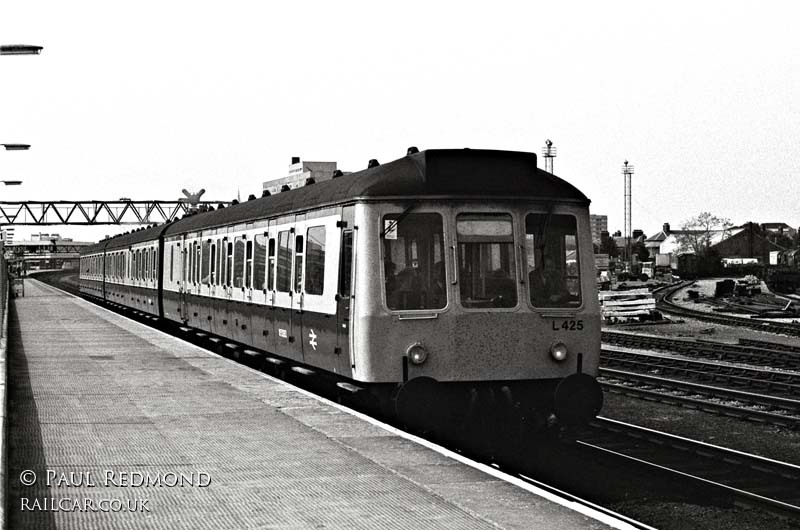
<point>344,292</point>
<point>286,343</point>
<point>318,291</point>
<point>272,341</point>
<point>183,265</point>
<point>297,298</point>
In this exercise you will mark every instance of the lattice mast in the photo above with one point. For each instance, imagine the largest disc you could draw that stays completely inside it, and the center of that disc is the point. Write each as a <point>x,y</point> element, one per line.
<point>549,153</point>
<point>627,173</point>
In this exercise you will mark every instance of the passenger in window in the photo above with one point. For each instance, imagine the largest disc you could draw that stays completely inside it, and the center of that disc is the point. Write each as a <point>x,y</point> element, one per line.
<point>406,294</point>
<point>389,269</point>
<point>439,288</point>
<point>547,284</point>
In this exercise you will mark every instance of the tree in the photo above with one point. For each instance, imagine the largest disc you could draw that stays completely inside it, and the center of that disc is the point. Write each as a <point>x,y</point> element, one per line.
<point>640,251</point>
<point>697,234</point>
<point>609,246</point>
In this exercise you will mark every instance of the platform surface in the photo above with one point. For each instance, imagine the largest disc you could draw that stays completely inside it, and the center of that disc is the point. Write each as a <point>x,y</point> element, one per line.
<point>92,393</point>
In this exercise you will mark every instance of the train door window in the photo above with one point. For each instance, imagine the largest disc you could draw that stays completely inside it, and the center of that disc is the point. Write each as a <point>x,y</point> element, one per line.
<point>229,265</point>
<point>221,261</point>
<point>346,264</point>
<point>413,261</point>
<point>154,264</point>
<point>248,264</point>
<point>486,260</point>
<point>259,262</point>
<point>146,264</point>
<point>198,262</point>
<point>171,260</point>
<point>284,265</point>
<point>238,262</point>
<point>212,262</point>
<point>298,263</point>
<point>315,260</point>
<point>271,264</point>
<point>552,260</point>
<point>205,271</point>
<point>190,263</point>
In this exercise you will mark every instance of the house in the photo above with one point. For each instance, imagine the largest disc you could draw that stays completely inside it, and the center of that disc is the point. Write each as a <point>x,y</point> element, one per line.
<point>746,241</point>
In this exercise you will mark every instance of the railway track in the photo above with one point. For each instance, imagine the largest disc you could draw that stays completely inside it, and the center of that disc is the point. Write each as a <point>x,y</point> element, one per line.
<point>760,355</point>
<point>666,305</point>
<point>745,479</point>
<point>772,382</point>
<point>717,400</point>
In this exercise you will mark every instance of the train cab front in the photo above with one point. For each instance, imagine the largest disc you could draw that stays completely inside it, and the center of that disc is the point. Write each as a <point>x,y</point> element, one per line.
<point>488,313</point>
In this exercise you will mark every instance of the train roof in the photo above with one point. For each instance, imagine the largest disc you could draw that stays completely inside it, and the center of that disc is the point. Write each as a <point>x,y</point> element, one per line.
<point>466,173</point>
<point>436,173</point>
<point>126,240</point>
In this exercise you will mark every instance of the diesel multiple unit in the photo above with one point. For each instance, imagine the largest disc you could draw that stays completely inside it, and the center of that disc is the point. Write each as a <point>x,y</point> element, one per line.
<point>451,284</point>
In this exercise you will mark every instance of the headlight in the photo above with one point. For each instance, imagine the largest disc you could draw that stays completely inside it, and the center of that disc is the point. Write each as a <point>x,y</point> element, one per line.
<point>558,351</point>
<point>417,353</point>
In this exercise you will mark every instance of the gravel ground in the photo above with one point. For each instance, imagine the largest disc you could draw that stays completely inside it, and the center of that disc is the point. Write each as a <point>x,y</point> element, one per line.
<point>764,440</point>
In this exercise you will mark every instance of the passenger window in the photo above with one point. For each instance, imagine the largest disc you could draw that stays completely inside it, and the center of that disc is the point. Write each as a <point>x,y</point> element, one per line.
<point>552,260</point>
<point>315,260</point>
<point>205,272</point>
<point>248,264</point>
<point>271,265</point>
<point>298,263</point>
<point>238,262</point>
<point>413,261</point>
<point>486,264</point>
<point>259,262</point>
<point>284,262</point>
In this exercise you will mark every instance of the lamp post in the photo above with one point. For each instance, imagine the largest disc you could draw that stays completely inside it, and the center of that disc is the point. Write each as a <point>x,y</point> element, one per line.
<point>20,49</point>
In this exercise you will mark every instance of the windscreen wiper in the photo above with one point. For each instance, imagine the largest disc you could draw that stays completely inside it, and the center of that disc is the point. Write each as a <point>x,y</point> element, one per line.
<point>396,222</point>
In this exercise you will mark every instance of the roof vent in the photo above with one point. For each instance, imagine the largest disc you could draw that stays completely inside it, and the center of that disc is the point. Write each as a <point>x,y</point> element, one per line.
<point>285,187</point>
<point>251,197</point>
<point>338,173</point>
<point>220,206</point>
<point>373,163</point>
<point>234,202</point>
<point>310,180</point>
<point>265,193</point>
<point>295,160</point>
<point>412,150</point>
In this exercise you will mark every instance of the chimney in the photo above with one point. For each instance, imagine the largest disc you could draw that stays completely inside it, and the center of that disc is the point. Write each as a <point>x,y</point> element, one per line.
<point>295,160</point>
<point>665,228</point>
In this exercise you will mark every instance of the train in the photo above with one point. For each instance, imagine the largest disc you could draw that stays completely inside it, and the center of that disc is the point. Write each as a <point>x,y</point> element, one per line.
<point>449,286</point>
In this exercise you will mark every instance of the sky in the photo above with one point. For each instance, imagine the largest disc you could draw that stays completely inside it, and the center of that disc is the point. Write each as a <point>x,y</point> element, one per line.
<point>144,99</point>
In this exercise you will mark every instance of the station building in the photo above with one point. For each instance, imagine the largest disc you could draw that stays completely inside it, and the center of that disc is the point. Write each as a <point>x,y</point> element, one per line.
<point>299,172</point>
<point>44,251</point>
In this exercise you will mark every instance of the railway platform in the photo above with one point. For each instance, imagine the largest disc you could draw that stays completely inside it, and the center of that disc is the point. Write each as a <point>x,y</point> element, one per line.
<point>112,424</point>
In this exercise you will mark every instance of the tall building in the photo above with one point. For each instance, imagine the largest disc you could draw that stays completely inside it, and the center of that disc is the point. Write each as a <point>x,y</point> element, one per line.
<point>299,172</point>
<point>599,223</point>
